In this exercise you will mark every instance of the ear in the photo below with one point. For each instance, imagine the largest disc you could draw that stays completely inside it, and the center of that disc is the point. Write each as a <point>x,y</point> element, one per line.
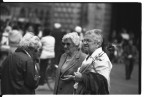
<point>98,44</point>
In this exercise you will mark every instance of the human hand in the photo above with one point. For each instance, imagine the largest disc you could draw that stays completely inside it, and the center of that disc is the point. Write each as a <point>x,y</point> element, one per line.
<point>68,77</point>
<point>78,76</point>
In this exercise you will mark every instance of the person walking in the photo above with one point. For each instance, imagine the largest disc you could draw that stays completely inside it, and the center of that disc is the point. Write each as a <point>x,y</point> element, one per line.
<point>47,54</point>
<point>130,55</point>
<point>20,70</point>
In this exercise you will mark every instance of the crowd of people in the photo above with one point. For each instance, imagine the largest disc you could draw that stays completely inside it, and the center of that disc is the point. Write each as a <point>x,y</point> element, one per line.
<point>126,50</point>
<point>84,66</point>
<point>120,40</point>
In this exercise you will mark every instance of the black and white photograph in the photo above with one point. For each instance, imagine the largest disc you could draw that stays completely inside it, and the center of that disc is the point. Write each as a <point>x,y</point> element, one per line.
<point>70,48</point>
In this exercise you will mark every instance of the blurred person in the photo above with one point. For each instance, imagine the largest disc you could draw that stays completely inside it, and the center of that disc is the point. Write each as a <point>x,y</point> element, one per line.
<point>47,54</point>
<point>14,37</point>
<point>4,45</point>
<point>30,29</point>
<point>109,48</point>
<point>125,37</point>
<point>130,55</point>
<point>57,33</point>
<point>5,39</point>
<point>69,62</point>
<point>40,32</point>
<point>20,71</point>
<point>78,29</point>
<point>117,54</point>
<point>93,77</point>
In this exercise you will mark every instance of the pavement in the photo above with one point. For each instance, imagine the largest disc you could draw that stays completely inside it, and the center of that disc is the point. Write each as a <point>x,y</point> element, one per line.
<point>44,89</point>
<point>119,85</point>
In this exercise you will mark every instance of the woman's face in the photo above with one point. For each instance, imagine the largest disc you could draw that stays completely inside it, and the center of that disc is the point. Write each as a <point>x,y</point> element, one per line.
<point>69,46</point>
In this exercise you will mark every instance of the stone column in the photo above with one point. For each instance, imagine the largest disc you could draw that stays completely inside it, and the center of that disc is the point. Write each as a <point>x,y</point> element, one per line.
<point>99,15</point>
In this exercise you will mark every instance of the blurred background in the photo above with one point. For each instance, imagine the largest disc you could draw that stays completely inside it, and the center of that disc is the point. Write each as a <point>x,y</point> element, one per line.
<point>119,21</point>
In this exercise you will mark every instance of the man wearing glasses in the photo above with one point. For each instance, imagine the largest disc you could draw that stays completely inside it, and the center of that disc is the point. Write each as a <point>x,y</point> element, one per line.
<point>93,77</point>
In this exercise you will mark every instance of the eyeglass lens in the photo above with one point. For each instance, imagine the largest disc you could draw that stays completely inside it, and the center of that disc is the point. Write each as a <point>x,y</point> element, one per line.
<point>68,44</point>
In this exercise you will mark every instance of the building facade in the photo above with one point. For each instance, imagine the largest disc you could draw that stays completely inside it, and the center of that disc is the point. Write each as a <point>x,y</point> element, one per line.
<point>69,15</point>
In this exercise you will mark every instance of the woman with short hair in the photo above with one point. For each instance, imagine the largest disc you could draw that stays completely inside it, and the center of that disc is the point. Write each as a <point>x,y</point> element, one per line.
<point>20,71</point>
<point>69,62</point>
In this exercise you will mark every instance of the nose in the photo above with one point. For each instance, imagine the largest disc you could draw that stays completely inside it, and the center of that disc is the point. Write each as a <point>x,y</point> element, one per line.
<point>65,46</point>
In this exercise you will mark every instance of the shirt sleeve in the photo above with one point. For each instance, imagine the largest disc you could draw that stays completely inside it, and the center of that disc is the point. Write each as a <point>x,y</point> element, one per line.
<point>102,67</point>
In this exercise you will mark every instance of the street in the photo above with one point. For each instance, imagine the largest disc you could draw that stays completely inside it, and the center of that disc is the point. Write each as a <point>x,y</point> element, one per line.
<point>118,83</point>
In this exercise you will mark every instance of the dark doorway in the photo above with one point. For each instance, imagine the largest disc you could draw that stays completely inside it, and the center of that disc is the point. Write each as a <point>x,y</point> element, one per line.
<point>128,16</point>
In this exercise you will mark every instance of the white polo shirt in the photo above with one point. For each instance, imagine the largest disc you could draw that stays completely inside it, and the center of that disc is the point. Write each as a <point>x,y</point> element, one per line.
<point>100,63</point>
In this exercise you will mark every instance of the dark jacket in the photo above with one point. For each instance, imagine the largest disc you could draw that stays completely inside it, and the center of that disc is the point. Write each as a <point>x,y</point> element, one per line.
<point>66,87</point>
<point>19,75</point>
<point>92,83</point>
<point>130,50</point>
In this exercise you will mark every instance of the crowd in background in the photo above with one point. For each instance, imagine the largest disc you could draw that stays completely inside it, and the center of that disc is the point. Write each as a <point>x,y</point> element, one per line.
<point>120,40</point>
<point>12,32</point>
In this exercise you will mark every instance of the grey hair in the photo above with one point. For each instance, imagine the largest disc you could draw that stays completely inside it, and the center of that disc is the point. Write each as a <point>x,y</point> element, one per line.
<point>73,36</point>
<point>97,35</point>
<point>30,40</point>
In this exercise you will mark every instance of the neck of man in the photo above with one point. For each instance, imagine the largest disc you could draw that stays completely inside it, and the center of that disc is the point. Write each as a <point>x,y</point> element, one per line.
<point>90,52</point>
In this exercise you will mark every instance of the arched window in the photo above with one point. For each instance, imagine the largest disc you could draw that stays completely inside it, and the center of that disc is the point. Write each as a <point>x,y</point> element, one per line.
<point>22,13</point>
<point>36,12</point>
<point>4,10</point>
<point>41,14</point>
<point>47,16</point>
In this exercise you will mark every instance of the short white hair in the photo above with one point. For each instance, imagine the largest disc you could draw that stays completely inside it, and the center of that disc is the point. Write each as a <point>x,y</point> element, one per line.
<point>96,35</point>
<point>30,40</point>
<point>73,36</point>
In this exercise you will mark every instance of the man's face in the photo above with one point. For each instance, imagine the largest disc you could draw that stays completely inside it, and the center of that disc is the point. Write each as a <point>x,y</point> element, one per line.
<point>68,46</point>
<point>89,45</point>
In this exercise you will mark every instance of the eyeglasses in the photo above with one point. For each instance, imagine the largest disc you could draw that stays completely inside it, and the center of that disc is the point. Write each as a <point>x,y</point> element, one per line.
<point>68,44</point>
<point>86,40</point>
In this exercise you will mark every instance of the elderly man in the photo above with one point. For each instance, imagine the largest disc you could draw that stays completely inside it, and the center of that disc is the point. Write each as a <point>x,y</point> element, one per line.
<point>93,77</point>
<point>20,72</point>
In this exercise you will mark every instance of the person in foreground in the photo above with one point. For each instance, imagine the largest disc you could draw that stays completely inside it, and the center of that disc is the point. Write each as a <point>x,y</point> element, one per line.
<point>20,71</point>
<point>93,77</point>
<point>69,63</point>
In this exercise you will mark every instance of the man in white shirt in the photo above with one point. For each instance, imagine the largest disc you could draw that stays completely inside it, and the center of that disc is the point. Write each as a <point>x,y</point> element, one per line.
<point>97,62</point>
